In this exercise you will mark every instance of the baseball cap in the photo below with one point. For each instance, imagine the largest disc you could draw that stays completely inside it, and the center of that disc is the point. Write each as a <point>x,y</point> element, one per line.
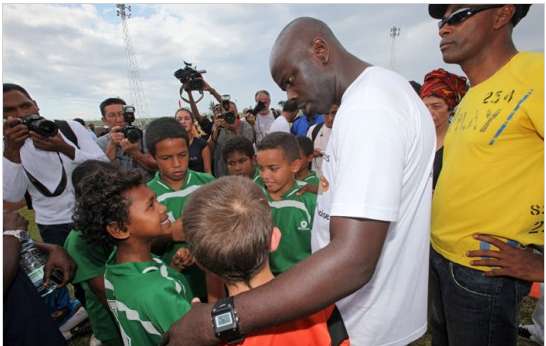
<point>437,11</point>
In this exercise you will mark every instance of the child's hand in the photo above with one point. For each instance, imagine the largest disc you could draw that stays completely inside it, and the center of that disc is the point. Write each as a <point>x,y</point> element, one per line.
<point>182,259</point>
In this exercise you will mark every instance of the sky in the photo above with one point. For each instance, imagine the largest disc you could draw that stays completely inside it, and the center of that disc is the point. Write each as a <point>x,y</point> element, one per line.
<point>70,57</point>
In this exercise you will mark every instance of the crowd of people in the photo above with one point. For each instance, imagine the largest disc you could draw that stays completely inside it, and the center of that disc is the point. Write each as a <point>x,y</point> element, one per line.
<point>366,211</point>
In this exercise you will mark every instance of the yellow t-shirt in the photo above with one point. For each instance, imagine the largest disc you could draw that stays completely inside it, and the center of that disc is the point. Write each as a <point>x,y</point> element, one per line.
<point>492,179</point>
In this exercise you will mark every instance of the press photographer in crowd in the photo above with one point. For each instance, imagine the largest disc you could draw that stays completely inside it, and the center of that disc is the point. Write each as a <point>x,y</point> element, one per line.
<point>124,144</point>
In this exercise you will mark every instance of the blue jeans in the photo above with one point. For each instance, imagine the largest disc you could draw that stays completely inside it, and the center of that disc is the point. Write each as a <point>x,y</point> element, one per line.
<point>470,309</point>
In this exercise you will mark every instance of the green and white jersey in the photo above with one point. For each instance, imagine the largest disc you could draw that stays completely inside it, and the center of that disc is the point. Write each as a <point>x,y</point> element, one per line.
<point>146,298</point>
<point>175,202</point>
<point>257,178</point>
<point>312,178</point>
<point>293,215</point>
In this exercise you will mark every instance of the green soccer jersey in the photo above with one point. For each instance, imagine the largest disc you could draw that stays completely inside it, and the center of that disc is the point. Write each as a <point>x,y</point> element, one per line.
<point>312,178</point>
<point>175,202</point>
<point>257,178</point>
<point>146,298</point>
<point>91,261</point>
<point>293,215</point>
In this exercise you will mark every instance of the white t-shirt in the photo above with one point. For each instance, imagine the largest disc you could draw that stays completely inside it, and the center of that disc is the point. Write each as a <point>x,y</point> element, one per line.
<point>378,165</point>
<point>320,142</point>
<point>280,125</point>
<point>262,125</point>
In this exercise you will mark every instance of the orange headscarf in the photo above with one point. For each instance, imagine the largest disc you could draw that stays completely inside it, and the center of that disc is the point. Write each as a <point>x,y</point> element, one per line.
<point>447,86</point>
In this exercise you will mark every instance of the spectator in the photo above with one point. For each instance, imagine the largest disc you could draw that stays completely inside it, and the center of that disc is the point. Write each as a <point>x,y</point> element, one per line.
<point>223,131</point>
<point>230,228</point>
<point>441,92</point>
<point>199,151</point>
<point>491,181</point>
<point>265,117</point>
<point>282,123</point>
<point>278,160</point>
<point>320,134</point>
<point>125,154</point>
<point>118,209</point>
<point>301,125</point>
<point>371,227</point>
<point>26,318</point>
<point>305,174</point>
<point>240,159</point>
<point>91,260</point>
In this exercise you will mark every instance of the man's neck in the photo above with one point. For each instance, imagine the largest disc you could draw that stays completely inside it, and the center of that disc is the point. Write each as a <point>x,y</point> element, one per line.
<point>486,63</point>
<point>352,68</point>
<point>263,277</point>
<point>133,250</point>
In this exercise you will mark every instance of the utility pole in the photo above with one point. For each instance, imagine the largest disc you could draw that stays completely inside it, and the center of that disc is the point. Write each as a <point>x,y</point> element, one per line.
<point>135,85</point>
<point>394,33</point>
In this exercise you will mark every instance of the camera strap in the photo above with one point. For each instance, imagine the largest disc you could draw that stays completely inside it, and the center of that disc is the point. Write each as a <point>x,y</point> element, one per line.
<point>67,131</point>
<point>44,190</point>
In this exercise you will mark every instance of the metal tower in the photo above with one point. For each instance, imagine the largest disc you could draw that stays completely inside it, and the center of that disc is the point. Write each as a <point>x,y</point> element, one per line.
<point>393,33</point>
<point>135,85</point>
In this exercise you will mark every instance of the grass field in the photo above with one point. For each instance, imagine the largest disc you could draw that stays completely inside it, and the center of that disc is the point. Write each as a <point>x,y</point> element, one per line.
<point>526,311</point>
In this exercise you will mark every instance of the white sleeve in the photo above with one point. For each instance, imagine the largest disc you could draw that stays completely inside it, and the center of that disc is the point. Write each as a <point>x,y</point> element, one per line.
<point>15,181</point>
<point>89,149</point>
<point>310,132</point>
<point>369,162</point>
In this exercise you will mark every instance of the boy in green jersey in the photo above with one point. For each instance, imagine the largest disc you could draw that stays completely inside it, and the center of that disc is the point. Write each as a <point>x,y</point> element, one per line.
<point>91,261</point>
<point>279,161</point>
<point>168,143</point>
<point>305,174</point>
<point>116,208</point>
<point>240,158</point>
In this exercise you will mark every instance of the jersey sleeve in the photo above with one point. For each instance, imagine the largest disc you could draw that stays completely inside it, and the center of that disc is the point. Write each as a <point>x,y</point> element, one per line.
<point>167,304</point>
<point>369,165</point>
<point>88,264</point>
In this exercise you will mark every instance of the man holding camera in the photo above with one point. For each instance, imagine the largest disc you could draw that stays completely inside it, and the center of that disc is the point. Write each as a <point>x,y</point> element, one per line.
<point>39,159</point>
<point>264,115</point>
<point>124,145</point>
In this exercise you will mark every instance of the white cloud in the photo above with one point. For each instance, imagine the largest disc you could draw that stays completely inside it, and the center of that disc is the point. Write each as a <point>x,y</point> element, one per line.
<point>71,57</point>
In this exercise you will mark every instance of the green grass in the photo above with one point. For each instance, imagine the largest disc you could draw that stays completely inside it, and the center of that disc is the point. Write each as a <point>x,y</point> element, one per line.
<point>526,311</point>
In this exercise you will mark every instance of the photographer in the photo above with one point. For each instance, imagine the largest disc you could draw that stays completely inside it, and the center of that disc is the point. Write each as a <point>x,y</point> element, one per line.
<point>42,164</point>
<point>129,155</point>
<point>264,115</point>
<point>227,124</point>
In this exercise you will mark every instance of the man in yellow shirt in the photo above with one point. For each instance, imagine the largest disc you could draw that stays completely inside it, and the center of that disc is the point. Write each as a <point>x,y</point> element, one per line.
<point>492,181</point>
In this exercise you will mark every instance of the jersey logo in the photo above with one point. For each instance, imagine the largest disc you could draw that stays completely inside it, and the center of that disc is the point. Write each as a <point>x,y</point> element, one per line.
<point>303,226</point>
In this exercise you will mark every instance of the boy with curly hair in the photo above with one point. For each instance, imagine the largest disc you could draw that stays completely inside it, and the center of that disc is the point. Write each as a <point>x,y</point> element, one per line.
<point>229,226</point>
<point>116,208</point>
<point>174,182</point>
<point>240,158</point>
<point>278,161</point>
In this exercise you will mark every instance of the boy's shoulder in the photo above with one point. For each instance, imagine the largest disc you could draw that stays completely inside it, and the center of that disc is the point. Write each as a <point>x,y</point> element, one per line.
<point>90,260</point>
<point>199,178</point>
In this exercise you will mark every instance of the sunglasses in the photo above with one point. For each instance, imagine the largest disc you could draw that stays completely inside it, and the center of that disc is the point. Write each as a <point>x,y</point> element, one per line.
<point>463,14</point>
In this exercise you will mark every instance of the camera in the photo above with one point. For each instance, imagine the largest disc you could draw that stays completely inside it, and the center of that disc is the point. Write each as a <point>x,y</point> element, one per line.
<point>40,125</point>
<point>190,78</point>
<point>131,132</point>
<point>229,117</point>
<point>260,106</point>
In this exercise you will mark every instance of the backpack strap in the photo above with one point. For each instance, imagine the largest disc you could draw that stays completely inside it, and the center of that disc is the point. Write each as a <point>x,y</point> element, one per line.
<point>315,131</point>
<point>67,131</point>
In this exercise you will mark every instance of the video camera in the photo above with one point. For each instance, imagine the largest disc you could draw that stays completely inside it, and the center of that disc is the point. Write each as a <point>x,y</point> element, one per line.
<point>190,78</point>
<point>227,115</point>
<point>131,132</point>
<point>40,125</point>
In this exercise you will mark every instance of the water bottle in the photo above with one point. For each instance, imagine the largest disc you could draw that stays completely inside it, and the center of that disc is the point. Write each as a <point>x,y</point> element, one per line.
<point>33,261</point>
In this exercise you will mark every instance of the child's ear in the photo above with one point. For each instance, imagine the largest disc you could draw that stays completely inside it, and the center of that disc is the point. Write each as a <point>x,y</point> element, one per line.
<point>295,166</point>
<point>275,239</point>
<point>116,232</point>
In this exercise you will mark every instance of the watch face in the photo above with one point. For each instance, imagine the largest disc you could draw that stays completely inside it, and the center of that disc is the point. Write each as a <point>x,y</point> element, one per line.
<point>223,320</point>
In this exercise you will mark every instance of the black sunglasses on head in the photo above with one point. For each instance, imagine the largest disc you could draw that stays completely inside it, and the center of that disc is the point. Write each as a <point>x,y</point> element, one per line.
<point>463,14</point>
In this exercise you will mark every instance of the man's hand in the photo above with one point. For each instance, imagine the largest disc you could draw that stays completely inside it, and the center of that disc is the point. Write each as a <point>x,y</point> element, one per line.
<point>58,259</point>
<point>182,259</point>
<point>14,221</point>
<point>509,261</point>
<point>317,153</point>
<point>307,188</point>
<point>116,135</point>
<point>194,328</point>
<point>15,135</point>
<point>128,147</point>
<point>55,144</point>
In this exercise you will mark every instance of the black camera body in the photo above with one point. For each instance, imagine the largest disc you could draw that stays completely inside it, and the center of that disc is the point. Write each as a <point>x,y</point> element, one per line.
<point>131,132</point>
<point>260,106</point>
<point>229,117</point>
<point>190,78</point>
<point>40,125</point>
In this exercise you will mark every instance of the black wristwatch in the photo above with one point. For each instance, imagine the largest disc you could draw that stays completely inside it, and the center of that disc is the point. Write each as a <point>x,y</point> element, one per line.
<point>225,321</point>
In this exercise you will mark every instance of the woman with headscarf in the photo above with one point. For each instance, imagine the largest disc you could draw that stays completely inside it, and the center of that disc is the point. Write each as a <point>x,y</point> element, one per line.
<point>441,92</point>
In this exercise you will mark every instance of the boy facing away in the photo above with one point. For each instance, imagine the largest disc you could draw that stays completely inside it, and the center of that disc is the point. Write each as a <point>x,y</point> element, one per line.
<point>145,295</point>
<point>168,143</point>
<point>278,161</point>
<point>229,227</point>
